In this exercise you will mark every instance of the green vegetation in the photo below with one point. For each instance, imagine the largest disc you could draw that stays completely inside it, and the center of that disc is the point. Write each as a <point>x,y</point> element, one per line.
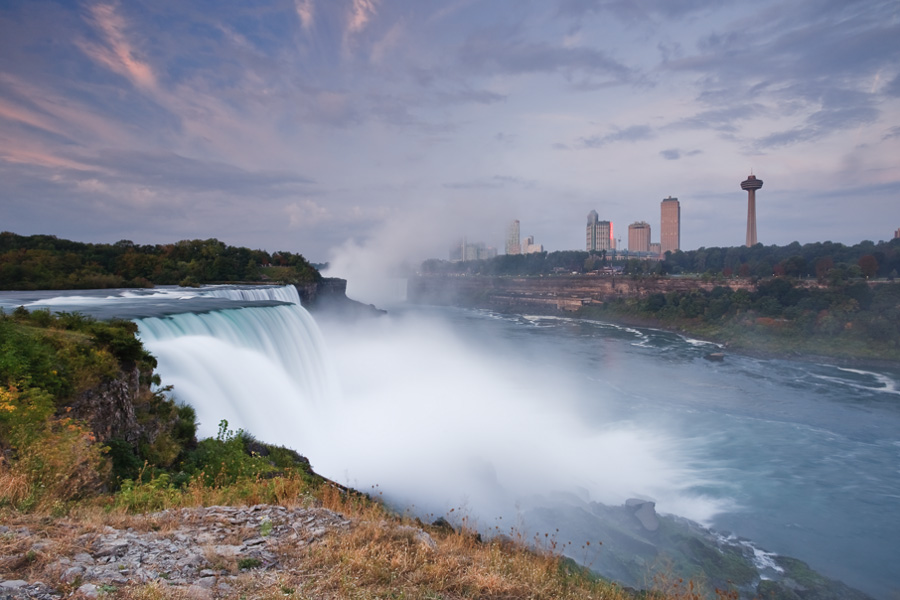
<point>46,262</point>
<point>58,380</point>
<point>825,261</point>
<point>850,319</point>
<point>46,363</point>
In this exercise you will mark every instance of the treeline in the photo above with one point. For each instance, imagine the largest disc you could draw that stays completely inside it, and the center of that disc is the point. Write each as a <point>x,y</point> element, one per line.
<point>850,319</point>
<point>823,260</point>
<point>47,262</point>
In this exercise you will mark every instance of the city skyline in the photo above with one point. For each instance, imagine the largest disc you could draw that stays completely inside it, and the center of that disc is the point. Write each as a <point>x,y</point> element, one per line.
<point>385,127</point>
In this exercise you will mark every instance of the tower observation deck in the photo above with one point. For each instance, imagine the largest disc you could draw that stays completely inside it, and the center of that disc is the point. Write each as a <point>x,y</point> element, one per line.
<point>751,184</point>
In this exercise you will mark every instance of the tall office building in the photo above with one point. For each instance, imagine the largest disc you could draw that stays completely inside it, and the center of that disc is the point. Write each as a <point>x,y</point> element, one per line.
<point>639,237</point>
<point>670,225</point>
<point>513,239</point>
<point>751,184</point>
<point>599,233</point>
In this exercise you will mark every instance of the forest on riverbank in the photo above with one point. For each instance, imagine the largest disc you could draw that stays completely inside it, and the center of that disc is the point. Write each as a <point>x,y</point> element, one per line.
<point>845,320</point>
<point>45,262</point>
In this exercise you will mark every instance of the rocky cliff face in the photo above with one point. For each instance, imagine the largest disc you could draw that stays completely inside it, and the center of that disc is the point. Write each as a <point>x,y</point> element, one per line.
<point>546,294</point>
<point>109,409</point>
<point>330,295</point>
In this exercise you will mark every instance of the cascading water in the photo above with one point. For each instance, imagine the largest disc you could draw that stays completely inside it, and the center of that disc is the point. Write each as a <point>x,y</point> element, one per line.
<point>263,369</point>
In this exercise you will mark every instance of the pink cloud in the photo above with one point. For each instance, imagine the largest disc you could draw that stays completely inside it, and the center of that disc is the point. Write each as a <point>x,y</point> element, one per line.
<point>118,54</point>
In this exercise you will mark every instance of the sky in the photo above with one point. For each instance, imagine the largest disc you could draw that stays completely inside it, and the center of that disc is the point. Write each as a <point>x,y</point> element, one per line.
<point>338,128</point>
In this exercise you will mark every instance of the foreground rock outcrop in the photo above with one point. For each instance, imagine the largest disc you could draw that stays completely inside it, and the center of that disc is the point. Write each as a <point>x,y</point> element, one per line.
<point>201,550</point>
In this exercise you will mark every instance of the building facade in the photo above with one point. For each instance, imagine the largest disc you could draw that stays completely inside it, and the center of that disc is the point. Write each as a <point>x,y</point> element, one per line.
<point>464,250</point>
<point>530,247</point>
<point>639,237</point>
<point>513,238</point>
<point>670,225</point>
<point>599,234</point>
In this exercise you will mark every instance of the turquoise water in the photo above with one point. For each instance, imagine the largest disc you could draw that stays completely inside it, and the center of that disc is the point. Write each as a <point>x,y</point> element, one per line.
<point>805,457</point>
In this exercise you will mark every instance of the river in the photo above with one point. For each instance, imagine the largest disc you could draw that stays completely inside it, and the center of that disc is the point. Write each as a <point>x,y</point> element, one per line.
<point>459,412</point>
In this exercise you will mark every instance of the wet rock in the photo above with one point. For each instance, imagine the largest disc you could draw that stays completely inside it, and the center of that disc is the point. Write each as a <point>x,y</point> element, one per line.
<point>177,554</point>
<point>645,512</point>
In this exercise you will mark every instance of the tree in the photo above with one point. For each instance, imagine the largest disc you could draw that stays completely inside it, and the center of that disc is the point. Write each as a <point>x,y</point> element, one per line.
<point>823,266</point>
<point>869,265</point>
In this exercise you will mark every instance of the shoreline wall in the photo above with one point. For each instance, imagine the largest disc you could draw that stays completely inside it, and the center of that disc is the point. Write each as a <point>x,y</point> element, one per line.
<point>556,293</point>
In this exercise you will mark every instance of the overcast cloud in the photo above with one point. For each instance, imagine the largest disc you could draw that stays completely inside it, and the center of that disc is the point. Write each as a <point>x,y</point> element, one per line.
<point>316,125</point>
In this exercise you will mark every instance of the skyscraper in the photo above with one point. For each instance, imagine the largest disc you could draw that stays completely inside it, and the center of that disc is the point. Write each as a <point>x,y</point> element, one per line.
<point>513,239</point>
<point>751,184</point>
<point>670,225</point>
<point>639,237</point>
<point>599,233</point>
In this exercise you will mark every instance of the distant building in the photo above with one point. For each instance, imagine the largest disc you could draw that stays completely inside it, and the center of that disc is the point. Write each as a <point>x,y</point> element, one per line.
<point>655,248</point>
<point>463,251</point>
<point>750,185</point>
<point>513,239</point>
<point>897,234</point>
<point>639,237</point>
<point>599,233</point>
<point>530,247</point>
<point>670,225</point>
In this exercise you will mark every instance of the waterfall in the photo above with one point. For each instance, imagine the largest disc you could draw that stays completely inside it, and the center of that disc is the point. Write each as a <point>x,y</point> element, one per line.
<point>262,368</point>
<point>287,293</point>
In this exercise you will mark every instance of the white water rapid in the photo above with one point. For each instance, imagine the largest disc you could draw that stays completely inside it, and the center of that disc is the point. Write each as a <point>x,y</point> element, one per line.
<point>422,415</point>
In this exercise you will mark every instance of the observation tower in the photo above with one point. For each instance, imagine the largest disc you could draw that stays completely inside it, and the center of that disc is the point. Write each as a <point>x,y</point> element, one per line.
<point>751,184</point>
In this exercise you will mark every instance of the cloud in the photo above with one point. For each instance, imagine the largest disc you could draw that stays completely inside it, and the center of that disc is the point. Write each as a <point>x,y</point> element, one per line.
<point>675,154</point>
<point>305,12</point>
<point>306,213</point>
<point>893,87</point>
<point>819,125</point>
<point>629,10</point>
<point>168,170</point>
<point>469,96</point>
<point>722,119</point>
<point>635,133</point>
<point>118,54</point>
<point>488,51</point>
<point>361,12</point>
<point>495,182</point>
<point>25,116</point>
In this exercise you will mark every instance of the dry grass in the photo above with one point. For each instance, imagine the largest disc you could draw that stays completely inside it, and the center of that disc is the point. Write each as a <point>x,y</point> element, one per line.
<point>379,556</point>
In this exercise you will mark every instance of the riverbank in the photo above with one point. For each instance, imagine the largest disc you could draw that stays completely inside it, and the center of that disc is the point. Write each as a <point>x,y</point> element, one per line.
<point>738,341</point>
<point>775,318</point>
